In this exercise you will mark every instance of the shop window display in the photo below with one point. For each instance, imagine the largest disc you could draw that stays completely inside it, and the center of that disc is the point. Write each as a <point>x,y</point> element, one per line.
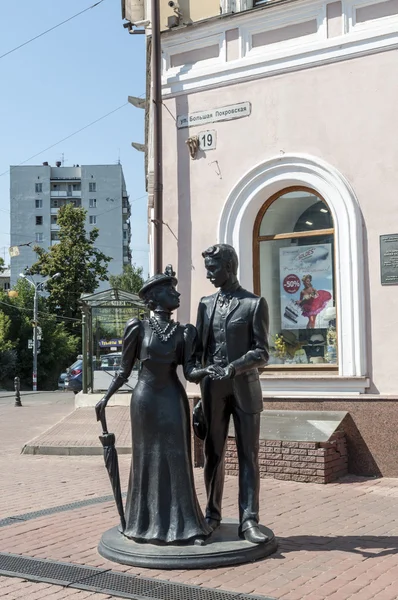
<point>294,271</point>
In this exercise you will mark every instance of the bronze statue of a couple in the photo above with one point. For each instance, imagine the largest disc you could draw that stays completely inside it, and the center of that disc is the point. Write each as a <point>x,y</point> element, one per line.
<point>222,353</point>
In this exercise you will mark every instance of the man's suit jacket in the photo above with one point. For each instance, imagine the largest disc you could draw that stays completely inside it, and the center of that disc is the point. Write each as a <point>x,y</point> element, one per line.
<point>247,343</point>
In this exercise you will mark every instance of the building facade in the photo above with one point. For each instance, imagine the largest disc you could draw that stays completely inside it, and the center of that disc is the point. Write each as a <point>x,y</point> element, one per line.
<point>38,192</point>
<point>5,280</point>
<point>277,140</point>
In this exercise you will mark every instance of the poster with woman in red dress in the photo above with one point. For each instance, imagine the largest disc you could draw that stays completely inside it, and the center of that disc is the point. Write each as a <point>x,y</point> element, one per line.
<point>306,276</point>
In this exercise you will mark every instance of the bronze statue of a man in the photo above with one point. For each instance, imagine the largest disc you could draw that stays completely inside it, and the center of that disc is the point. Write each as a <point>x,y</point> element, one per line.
<point>232,329</point>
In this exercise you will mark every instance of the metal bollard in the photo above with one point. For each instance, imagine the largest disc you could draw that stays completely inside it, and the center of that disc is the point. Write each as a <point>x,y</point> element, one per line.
<point>17,394</point>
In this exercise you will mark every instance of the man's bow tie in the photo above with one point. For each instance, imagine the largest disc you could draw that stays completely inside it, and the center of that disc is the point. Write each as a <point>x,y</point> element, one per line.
<point>224,299</point>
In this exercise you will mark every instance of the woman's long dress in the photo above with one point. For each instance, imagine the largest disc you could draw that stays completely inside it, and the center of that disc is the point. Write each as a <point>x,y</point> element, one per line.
<point>314,303</point>
<point>161,503</point>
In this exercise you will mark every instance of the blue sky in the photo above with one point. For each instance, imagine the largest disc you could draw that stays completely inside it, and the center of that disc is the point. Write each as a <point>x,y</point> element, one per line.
<point>63,81</point>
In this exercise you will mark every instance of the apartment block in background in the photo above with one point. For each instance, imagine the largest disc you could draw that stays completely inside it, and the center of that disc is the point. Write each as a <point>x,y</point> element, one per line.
<point>37,193</point>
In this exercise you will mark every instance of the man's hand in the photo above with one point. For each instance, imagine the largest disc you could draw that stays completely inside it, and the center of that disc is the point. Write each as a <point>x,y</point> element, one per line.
<point>220,373</point>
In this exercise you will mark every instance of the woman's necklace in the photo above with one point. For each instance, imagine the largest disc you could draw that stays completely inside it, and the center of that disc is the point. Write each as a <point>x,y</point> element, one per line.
<point>163,334</point>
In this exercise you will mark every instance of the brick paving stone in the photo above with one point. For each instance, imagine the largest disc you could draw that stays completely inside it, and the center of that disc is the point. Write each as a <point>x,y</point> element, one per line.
<point>346,591</point>
<point>389,593</point>
<point>333,538</point>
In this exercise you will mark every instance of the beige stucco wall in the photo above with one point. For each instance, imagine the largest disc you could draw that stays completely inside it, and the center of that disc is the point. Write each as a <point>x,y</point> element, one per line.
<point>343,113</point>
<point>192,10</point>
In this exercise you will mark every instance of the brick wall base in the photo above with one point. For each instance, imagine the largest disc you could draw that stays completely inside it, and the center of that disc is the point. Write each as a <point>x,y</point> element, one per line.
<point>308,462</point>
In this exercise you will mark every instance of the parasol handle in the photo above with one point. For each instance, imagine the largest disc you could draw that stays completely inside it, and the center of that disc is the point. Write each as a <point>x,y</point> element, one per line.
<point>103,423</point>
<point>100,408</point>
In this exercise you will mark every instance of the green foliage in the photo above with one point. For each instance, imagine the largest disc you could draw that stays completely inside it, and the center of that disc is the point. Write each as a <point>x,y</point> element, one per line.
<point>8,367</point>
<point>5,323</point>
<point>131,280</point>
<point>2,265</point>
<point>8,356</point>
<point>58,347</point>
<point>75,257</point>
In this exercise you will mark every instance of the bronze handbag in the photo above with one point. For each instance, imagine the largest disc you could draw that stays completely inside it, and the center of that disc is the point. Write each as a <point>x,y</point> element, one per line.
<point>198,421</point>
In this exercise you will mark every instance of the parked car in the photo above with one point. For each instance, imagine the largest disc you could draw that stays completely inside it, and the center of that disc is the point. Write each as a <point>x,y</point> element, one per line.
<point>111,362</point>
<point>76,368</point>
<point>75,383</point>
<point>72,371</point>
<point>61,380</point>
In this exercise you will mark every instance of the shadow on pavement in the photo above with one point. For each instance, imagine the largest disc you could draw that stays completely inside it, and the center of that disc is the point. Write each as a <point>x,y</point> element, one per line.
<point>368,546</point>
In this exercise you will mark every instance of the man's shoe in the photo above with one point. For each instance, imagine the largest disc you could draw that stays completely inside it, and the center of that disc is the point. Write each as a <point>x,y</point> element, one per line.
<point>254,535</point>
<point>213,523</point>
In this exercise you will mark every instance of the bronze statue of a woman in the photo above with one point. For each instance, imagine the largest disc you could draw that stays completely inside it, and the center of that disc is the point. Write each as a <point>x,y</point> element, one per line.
<point>161,505</point>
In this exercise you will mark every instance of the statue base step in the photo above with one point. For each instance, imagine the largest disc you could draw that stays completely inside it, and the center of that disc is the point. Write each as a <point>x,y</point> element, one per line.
<point>222,548</point>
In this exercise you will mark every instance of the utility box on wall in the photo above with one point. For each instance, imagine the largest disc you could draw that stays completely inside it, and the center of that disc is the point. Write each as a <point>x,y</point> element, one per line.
<point>133,10</point>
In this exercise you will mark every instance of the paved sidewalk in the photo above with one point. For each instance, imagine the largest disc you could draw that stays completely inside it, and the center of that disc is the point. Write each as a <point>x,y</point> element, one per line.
<point>77,434</point>
<point>336,542</point>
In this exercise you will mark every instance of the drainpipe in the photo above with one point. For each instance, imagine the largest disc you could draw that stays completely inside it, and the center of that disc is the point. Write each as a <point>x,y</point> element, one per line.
<point>156,77</point>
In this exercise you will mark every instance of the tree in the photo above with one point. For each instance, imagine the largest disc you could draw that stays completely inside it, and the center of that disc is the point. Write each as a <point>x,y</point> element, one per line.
<point>8,355</point>
<point>81,265</point>
<point>58,348</point>
<point>131,280</point>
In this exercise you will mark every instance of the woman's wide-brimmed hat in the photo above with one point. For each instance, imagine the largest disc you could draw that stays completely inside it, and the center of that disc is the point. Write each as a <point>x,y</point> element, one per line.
<point>167,276</point>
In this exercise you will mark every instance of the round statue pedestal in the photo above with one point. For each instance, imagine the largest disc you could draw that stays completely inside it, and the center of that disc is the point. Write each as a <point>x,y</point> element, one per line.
<point>222,548</point>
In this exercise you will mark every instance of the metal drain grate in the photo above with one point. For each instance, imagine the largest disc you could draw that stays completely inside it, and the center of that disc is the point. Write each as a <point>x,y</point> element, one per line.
<point>128,586</point>
<point>47,571</point>
<point>55,509</point>
<point>10,521</point>
<point>111,582</point>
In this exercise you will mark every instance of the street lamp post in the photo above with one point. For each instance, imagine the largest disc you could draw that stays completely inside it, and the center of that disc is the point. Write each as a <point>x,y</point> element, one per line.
<point>37,286</point>
<point>35,349</point>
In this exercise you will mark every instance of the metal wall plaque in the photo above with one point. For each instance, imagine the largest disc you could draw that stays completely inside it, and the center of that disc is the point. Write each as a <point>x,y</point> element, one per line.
<point>389,259</point>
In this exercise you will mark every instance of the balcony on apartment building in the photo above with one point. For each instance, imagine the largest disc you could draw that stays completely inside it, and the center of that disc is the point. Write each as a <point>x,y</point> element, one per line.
<point>66,190</point>
<point>56,203</point>
<point>54,223</point>
<point>66,194</point>
<point>126,207</point>
<point>54,238</point>
<point>126,253</point>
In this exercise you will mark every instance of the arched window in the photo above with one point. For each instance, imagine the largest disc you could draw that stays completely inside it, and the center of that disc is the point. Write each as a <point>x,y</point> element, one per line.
<point>294,270</point>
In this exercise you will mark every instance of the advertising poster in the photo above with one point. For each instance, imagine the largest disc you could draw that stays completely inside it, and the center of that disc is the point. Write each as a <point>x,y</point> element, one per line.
<point>306,285</point>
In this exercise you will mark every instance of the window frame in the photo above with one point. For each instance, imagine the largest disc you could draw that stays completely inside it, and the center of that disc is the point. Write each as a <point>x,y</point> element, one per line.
<point>38,188</point>
<point>92,186</point>
<point>92,203</point>
<point>92,219</point>
<point>257,239</point>
<point>38,203</point>
<point>38,235</point>
<point>39,220</point>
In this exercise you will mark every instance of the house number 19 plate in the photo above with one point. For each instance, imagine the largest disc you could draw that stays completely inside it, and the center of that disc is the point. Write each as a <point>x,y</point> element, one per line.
<point>207,139</point>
